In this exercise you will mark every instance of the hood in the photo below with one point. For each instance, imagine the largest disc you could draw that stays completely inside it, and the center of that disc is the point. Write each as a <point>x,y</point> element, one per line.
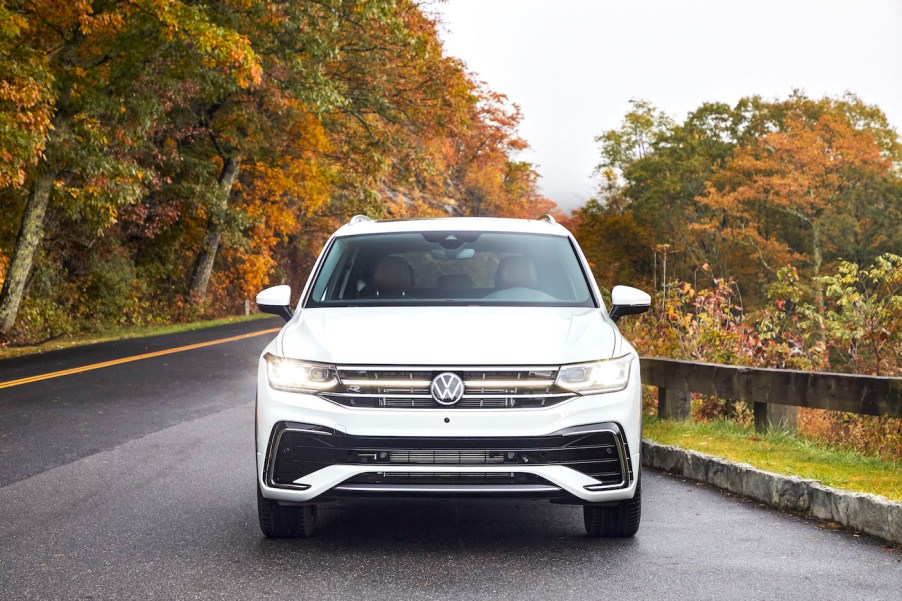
<point>449,335</point>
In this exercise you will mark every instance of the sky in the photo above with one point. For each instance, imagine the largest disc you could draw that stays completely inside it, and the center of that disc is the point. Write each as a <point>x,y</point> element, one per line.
<point>573,65</point>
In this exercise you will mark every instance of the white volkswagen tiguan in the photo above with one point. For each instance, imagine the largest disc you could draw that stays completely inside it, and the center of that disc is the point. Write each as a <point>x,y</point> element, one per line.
<point>458,357</point>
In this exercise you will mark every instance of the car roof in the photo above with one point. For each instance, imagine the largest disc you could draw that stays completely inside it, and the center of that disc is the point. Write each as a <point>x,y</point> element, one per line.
<point>363,225</point>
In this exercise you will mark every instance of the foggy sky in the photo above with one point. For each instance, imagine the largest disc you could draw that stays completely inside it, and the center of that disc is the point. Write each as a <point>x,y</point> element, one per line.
<point>573,65</point>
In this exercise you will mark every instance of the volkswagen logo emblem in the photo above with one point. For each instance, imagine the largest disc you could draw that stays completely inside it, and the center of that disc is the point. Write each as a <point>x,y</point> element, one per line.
<point>447,388</point>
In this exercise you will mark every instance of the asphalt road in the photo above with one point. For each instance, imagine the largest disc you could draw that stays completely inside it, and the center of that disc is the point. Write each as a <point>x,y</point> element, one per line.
<point>137,482</point>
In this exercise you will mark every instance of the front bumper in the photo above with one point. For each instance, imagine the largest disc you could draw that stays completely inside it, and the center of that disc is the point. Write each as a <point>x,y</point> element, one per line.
<point>336,451</point>
<point>312,460</point>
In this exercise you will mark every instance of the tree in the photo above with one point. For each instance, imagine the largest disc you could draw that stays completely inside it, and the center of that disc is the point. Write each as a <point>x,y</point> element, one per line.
<point>805,172</point>
<point>676,182</point>
<point>89,51</point>
<point>617,247</point>
<point>368,76</point>
<point>158,151</point>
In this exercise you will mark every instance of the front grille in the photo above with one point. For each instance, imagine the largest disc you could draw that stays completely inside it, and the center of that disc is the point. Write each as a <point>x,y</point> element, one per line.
<point>446,457</point>
<point>598,451</point>
<point>485,388</point>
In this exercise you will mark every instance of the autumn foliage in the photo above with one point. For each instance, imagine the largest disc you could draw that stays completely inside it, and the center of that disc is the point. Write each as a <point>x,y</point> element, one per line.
<point>166,159</point>
<point>771,235</point>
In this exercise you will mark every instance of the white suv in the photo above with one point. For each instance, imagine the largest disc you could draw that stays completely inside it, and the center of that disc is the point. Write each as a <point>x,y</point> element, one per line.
<point>459,357</point>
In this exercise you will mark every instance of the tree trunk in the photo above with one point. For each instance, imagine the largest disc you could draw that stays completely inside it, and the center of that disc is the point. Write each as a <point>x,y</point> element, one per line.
<point>31,232</point>
<point>816,260</point>
<point>203,267</point>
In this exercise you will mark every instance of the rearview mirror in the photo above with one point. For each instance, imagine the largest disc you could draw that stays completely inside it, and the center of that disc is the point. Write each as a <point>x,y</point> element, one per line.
<point>276,300</point>
<point>626,300</point>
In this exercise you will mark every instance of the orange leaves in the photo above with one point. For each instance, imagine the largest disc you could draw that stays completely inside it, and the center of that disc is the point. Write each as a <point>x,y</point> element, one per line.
<point>790,181</point>
<point>279,193</point>
<point>26,101</point>
<point>804,166</point>
<point>102,24</point>
<point>801,168</point>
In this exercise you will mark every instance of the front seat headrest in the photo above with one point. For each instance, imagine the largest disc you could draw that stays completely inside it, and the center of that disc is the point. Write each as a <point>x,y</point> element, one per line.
<point>516,272</point>
<point>392,275</point>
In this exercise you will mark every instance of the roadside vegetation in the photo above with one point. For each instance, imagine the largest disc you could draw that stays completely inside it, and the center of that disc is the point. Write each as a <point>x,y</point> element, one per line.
<point>857,330</point>
<point>781,453</point>
<point>770,232</point>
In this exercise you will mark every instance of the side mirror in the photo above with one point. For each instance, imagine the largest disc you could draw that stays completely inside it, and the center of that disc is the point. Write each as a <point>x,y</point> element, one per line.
<point>276,300</point>
<point>626,300</point>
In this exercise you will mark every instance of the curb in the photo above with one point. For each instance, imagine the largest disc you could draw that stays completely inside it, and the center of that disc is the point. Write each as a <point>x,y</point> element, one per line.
<point>871,514</point>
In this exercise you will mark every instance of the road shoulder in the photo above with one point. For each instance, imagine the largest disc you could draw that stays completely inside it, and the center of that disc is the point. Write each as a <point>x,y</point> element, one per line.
<point>871,514</point>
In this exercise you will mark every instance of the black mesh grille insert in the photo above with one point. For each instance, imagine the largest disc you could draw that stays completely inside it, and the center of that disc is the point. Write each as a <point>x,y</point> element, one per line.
<point>446,478</point>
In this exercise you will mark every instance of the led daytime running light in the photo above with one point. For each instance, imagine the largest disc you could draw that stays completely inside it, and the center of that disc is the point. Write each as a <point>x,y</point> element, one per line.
<point>299,376</point>
<point>610,375</point>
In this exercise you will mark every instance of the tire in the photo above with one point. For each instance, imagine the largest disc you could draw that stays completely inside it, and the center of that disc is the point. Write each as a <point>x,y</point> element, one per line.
<point>281,521</point>
<point>615,521</point>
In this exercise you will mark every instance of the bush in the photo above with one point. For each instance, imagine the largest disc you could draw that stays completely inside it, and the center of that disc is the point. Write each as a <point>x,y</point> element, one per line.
<point>859,330</point>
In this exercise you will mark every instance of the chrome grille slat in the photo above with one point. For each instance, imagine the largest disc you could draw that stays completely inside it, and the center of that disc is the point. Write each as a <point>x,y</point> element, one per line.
<point>490,387</point>
<point>549,395</point>
<point>446,457</point>
<point>369,395</point>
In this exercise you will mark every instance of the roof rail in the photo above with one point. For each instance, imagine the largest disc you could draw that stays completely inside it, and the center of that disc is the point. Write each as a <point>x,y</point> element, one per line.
<point>358,219</point>
<point>548,218</point>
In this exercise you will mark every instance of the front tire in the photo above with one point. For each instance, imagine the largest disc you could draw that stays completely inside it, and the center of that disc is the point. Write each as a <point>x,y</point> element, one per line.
<point>281,521</point>
<point>615,521</point>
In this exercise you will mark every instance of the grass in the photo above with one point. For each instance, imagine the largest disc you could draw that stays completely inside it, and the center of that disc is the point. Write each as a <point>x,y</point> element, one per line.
<point>781,453</point>
<point>120,333</point>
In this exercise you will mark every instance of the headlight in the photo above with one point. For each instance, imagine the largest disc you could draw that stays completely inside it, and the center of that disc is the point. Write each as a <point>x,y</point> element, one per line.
<point>610,375</point>
<point>299,376</point>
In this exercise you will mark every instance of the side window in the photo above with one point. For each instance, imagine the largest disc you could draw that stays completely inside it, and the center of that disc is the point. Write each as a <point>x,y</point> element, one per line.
<point>324,289</point>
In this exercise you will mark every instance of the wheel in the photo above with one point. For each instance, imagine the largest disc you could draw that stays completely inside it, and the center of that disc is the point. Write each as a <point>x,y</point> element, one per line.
<point>280,521</point>
<point>618,521</point>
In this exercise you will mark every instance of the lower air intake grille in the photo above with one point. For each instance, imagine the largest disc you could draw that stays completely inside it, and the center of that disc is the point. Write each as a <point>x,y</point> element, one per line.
<point>598,451</point>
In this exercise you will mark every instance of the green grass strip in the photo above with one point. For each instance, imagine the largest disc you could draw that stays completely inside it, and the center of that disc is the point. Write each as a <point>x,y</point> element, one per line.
<point>781,453</point>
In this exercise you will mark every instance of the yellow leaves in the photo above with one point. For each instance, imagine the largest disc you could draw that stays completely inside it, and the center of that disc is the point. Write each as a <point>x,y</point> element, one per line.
<point>220,48</point>
<point>26,101</point>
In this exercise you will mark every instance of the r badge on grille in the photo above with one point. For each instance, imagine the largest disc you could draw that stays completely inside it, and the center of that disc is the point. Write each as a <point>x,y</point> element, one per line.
<point>447,388</point>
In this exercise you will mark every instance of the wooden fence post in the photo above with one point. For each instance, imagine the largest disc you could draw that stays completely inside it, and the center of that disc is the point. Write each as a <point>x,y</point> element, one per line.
<point>674,404</point>
<point>776,417</point>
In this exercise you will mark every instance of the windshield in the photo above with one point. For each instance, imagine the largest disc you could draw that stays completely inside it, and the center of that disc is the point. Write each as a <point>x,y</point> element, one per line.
<point>451,268</point>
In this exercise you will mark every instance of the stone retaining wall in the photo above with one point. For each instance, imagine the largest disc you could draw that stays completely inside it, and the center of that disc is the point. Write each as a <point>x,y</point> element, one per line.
<point>871,514</point>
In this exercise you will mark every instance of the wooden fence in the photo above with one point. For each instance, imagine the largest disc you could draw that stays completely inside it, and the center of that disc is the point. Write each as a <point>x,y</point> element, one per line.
<point>774,393</point>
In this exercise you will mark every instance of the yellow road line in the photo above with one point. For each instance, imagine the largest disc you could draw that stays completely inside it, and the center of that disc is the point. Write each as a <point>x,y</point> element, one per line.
<point>78,370</point>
